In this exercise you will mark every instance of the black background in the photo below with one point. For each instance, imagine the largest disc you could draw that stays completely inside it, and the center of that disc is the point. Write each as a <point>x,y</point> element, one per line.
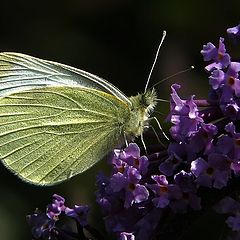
<point>117,40</point>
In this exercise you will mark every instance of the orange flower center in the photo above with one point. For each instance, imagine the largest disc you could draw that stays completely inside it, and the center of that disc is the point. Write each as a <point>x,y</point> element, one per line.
<point>237,142</point>
<point>231,81</point>
<point>210,171</point>
<point>220,56</point>
<point>121,169</point>
<point>163,189</point>
<point>136,162</point>
<point>131,186</point>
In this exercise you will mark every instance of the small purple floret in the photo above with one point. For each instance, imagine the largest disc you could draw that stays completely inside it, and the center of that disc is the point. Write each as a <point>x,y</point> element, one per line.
<point>214,172</point>
<point>234,32</point>
<point>79,213</point>
<point>218,55</point>
<point>57,206</point>
<point>126,236</point>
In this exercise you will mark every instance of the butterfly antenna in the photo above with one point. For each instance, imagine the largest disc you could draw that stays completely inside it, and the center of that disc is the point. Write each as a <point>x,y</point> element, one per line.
<point>174,75</point>
<point>155,60</point>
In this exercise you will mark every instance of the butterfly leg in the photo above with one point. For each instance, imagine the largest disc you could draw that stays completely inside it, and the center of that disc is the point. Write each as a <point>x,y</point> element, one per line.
<point>125,139</point>
<point>155,133</point>
<point>160,127</point>
<point>144,145</point>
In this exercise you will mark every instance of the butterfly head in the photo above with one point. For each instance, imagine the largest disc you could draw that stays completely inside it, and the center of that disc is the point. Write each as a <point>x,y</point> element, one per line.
<point>148,100</point>
<point>145,102</point>
<point>142,106</point>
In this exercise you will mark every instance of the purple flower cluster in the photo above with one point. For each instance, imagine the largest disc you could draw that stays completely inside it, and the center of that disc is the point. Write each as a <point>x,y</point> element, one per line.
<point>203,153</point>
<point>121,195</point>
<point>145,196</point>
<point>45,225</point>
<point>133,200</point>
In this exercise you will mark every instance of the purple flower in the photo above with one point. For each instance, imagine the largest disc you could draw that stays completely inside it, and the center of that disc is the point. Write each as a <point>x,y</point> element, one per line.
<point>231,110</point>
<point>235,166</point>
<point>185,181</point>
<point>176,154</point>
<point>201,142</point>
<point>234,222</point>
<point>147,226</point>
<point>56,207</point>
<point>79,213</point>
<point>234,32</point>
<point>214,172</point>
<point>187,193</point>
<point>184,115</point>
<point>227,205</point>
<point>42,226</point>
<point>131,157</point>
<point>105,194</point>
<point>129,182</point>
<point>232,207</point>
<point>129,167</point>
<point>162,190</point>
<point>209,51</point>
<point>186,199</point>
<point>230,144</point>
<point>217,78</point>
<point>218,55</point>
<point>228,82</point>
<point>170,164</point>
<point>231,78</point>
<point>126,236</point>
<point>47,225</point>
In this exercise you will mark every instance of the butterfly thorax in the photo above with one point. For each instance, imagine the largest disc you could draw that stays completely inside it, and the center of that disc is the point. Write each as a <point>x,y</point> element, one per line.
<point>142,106</point>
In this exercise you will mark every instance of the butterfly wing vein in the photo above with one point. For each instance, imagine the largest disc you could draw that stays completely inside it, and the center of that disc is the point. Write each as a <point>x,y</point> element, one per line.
<point>20,72</point>
<point>50,134</point>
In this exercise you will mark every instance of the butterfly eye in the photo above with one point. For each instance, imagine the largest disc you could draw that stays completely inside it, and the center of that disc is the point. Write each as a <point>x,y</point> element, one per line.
<point>145,101</point>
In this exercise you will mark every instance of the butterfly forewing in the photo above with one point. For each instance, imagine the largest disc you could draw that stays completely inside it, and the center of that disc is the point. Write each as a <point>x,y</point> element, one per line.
<point>50,134</point>
<point>20,72</point>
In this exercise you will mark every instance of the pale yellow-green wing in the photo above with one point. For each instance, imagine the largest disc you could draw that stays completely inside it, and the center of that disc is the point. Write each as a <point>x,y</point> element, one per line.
<point>50,134</point>
<point>20,72</point>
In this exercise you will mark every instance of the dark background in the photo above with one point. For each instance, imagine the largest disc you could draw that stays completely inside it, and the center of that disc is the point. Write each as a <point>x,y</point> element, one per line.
<point>117,40</point>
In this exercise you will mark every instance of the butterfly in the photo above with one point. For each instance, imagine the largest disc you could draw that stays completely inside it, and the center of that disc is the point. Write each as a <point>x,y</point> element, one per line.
<point>57,121</point>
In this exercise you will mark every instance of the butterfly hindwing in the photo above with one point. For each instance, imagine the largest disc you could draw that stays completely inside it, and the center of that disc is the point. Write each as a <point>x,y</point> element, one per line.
<point>50,134</point>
